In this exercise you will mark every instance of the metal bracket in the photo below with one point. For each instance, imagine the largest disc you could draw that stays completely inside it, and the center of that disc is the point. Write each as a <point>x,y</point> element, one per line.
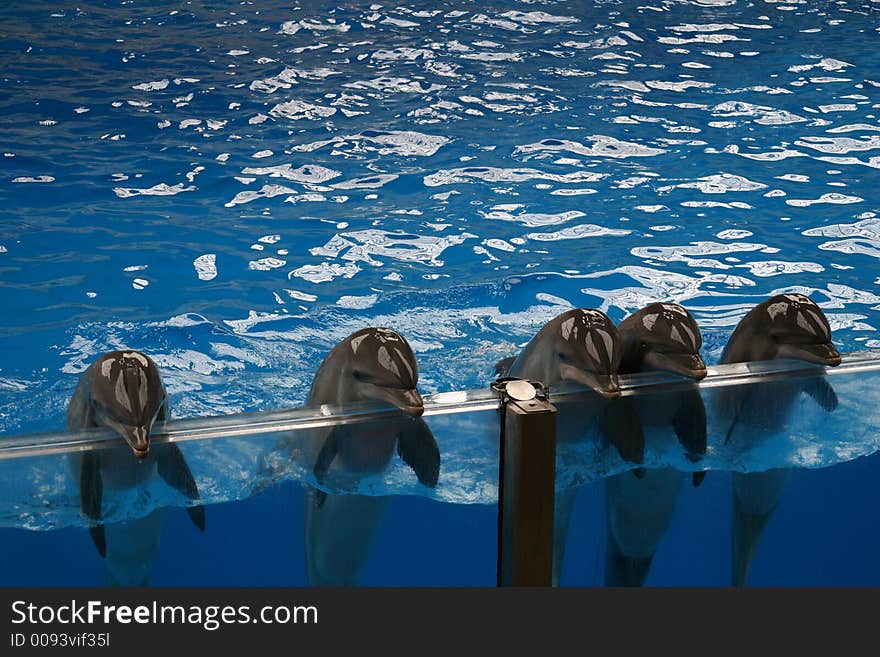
<point>510,388</point>
<point>527,481</point>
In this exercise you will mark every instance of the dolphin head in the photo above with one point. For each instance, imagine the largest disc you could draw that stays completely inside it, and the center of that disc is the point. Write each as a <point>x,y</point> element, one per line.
<point>381,366</point>
<point>666,337</point>
<point>797,328</point>
<point>126,396</point>
<point>586,350</point>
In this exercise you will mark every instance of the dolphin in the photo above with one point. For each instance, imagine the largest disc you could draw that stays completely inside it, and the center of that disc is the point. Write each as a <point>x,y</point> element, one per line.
<point>580,346</point>
<point>123,391</point>
<point>661,336</point>
<point>784,326</point>
<point>372,364</point>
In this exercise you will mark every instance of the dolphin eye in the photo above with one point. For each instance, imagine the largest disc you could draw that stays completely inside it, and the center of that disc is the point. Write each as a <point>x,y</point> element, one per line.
<point>563,358</point>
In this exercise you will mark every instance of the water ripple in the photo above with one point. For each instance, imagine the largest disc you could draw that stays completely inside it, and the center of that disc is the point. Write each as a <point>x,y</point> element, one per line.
<point>461,173</point>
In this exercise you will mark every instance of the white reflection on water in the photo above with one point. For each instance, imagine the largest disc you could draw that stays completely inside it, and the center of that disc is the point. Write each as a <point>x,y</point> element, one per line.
<point>334,128</point>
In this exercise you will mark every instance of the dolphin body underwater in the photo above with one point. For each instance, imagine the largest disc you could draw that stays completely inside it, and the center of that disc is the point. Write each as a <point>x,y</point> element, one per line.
<point>581,346</point>
<point>123,391</point>
<point>661,336</point>
<point>784,326</point>
<point>372,364</point>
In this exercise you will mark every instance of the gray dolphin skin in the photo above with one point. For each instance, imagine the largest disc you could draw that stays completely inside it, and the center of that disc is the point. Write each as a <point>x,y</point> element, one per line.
<point>123,391</point>
<point>661,336</point>
<point>784,326</point>
<point>579,346</point>
<point>373,364</point>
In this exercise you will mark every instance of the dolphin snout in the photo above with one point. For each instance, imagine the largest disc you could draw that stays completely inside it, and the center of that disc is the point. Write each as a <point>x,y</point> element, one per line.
<point>687,365</point>
<point>138,439</point>
<point>833,358</point>
<point>408,401</point>
<point>414,404</point>
<point>699,372</point>
<point>820,354</point>
<point>608,386</point>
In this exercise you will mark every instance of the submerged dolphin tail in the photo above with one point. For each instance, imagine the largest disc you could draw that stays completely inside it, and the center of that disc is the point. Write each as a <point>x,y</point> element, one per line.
<point>132,547</point>
<point>747,531</point>
<point>622,570</point>
<point>114,581</point>
<point>563,505</point>
<point>339,536</point>
<point>755,497</point>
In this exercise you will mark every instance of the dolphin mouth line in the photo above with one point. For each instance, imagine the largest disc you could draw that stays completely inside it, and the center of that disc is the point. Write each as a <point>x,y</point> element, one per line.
<point>830,358</point>
<point>405,401</point>
<point>699,375</point>
<point>690,366</point>
<point>141,453</point>
<point>606,385</point>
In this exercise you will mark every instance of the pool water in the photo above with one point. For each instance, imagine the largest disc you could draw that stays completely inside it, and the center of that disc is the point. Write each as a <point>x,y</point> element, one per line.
<point>823,533</point>
<point>233,190</point>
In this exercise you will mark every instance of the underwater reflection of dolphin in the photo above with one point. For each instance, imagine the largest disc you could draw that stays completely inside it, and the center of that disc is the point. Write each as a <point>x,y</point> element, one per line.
<point>371,364</point>
<point>123,391</point>
<point>784,326</point>
<point>580,346</point>
<point>661,336</point>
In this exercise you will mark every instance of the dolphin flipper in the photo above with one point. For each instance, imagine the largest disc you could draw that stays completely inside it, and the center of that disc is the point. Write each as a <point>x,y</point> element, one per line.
<point>621,424</point>
<point>328,452</point>
<point>729,404</point>
<point>502,367</point>
<point>418,449</point>
<point>90,493</point>
<point>822,393</point>
<point>176,473</point>
<point>689,422</point>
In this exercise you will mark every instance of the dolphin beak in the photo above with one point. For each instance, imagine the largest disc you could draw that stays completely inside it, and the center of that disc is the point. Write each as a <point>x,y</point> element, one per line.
<point>689,365</point>
<point>606,385</point>
<point>138,439</point>
<point>820,354</point>
<point>408,401</point>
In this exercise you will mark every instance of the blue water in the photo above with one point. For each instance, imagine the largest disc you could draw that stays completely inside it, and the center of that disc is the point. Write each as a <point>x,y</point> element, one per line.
<point>824,533</point>
<point>234,190</point>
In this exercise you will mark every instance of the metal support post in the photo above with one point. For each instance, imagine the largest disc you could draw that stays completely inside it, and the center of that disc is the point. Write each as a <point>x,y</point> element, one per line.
<point>527,479</point>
